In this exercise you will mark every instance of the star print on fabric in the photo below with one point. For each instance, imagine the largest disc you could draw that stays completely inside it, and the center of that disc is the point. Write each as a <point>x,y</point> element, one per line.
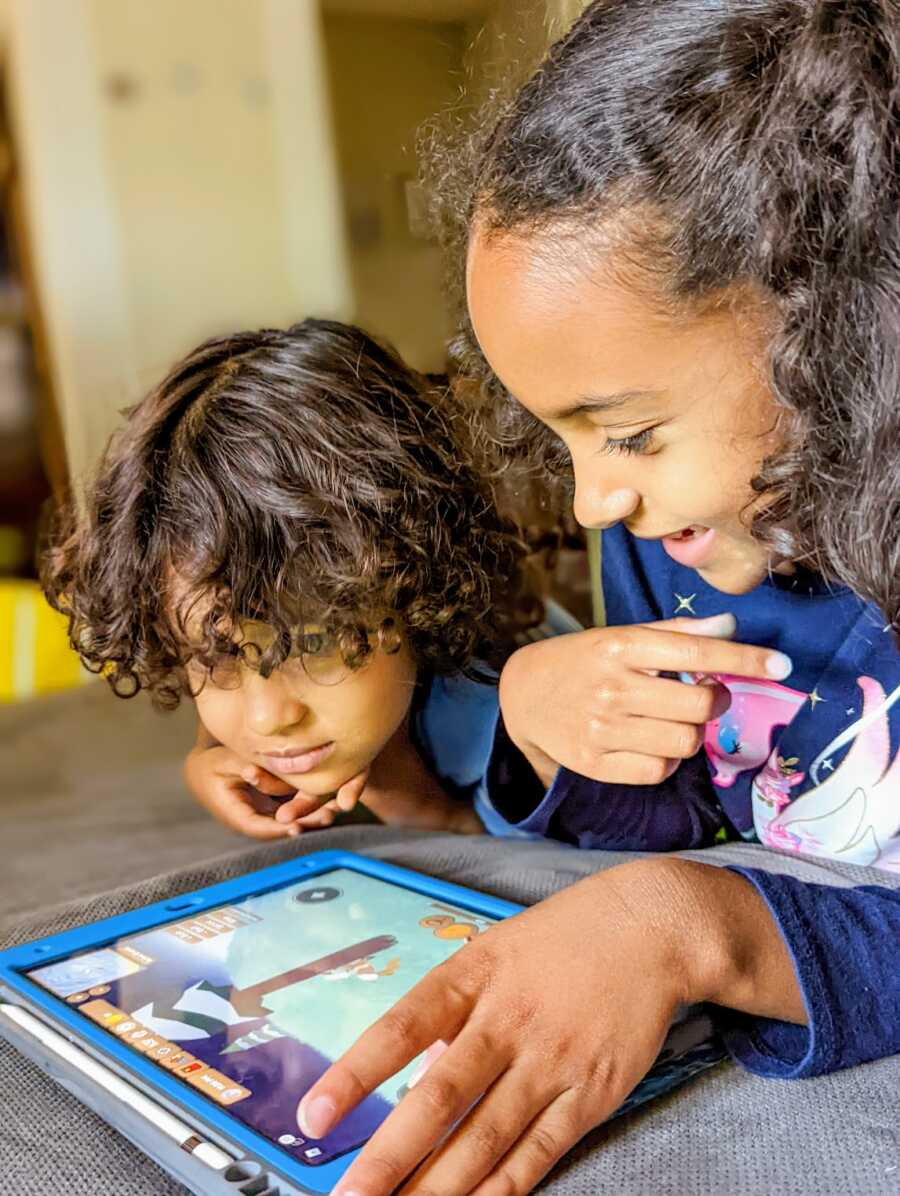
<point>815,698</point>
<point>850,710</point>
<point>828,765</point>
<point>685,604</point>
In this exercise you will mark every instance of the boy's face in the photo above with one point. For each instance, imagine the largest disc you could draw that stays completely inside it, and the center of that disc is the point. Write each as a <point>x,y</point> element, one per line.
<point>313,722</point>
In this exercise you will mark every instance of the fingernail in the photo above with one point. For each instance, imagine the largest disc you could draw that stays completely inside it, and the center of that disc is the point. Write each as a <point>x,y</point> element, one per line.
<point>779,666</point>
<point>718,626</point>
<point>316,1116</point>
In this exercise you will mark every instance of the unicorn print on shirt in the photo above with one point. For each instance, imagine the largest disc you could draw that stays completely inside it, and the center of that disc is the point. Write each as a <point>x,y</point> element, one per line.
<point>851,812</point>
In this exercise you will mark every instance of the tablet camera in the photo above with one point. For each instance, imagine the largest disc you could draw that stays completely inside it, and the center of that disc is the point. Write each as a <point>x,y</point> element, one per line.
<point>317,896</point>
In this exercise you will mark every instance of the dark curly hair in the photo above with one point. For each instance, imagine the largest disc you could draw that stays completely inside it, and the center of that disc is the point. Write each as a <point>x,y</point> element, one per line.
<point>740,141</point>
<point>300,478</point>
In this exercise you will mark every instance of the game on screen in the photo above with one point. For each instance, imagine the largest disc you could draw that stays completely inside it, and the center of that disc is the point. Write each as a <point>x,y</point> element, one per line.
<point>251,1002</point>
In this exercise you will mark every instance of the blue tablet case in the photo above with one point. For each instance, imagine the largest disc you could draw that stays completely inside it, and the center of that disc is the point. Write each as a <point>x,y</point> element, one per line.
<point>260,1168</point>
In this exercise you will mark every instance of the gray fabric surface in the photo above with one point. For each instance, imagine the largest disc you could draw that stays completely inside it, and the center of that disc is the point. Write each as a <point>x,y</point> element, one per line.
<point>94,800</point>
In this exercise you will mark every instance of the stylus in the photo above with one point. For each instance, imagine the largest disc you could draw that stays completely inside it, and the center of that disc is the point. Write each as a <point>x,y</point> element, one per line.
<point>119,1088</point>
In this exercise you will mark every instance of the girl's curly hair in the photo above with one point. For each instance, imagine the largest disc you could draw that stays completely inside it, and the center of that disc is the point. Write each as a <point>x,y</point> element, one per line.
<point>763,137</point>
<point>299,479</point>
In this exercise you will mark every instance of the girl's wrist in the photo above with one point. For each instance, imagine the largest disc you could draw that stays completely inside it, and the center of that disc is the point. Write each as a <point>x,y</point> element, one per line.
<point>515,679</point>
<point>726,948</point>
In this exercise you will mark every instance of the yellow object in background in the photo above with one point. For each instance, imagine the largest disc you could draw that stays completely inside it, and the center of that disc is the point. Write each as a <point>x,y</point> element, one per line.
<point>35,656</point>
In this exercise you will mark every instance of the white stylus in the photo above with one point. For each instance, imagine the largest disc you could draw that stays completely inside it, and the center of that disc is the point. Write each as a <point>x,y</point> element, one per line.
<point>211,1155</point>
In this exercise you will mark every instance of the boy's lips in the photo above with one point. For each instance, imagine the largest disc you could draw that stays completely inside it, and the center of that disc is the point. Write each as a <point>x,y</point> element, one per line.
<point>295,763</point>
<point>692,546</point>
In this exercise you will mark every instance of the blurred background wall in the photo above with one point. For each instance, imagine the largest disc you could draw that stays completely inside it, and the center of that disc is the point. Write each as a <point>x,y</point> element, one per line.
<point>173,169</point>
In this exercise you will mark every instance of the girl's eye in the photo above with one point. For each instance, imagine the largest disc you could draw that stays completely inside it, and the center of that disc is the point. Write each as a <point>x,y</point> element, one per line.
<point>639,443</point>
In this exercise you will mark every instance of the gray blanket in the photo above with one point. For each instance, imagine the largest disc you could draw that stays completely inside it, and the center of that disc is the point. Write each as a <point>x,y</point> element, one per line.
<point>94,797</point>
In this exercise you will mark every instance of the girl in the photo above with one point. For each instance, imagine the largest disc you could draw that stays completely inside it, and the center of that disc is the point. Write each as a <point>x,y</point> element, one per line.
<point>683,262</point>
<point>287,531</point>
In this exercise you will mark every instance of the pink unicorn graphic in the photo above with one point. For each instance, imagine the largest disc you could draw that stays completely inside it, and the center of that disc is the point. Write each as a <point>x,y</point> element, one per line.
<point>741,739</point>
<point>854,813</point>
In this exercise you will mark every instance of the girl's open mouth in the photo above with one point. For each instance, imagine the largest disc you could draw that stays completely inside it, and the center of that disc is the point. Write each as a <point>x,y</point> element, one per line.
<point>693,546</point>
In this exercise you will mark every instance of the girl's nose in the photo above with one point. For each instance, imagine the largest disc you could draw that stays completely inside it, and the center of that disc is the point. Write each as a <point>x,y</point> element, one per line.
<point>597,507</point>
<point>271,706</point>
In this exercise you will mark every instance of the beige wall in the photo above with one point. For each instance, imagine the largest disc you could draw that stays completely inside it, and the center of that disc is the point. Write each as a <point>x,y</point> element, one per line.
<point>388,77</point>
<point>509,41</point>
<point>180,181</point>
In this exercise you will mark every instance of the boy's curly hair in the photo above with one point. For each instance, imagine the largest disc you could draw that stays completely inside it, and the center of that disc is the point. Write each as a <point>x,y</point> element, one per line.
<point>299,479</point>
<point>762,139</point>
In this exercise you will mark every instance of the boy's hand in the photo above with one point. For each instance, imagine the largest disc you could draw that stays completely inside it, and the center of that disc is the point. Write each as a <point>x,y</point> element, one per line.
<point>552,1017</point>
<point>400,790</point>
<point>246,798</point>
<point>594,701</point>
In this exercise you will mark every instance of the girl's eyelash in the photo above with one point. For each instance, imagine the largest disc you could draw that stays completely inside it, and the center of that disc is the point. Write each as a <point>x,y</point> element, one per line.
<point>638,443</point>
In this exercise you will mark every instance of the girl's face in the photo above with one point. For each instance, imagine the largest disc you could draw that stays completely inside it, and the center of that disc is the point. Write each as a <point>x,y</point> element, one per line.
<point>666,418</point>
<point>313,722</point>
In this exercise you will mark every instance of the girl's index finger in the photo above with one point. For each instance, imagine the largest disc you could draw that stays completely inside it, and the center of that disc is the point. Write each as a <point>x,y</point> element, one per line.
<point>673,651</point>
<point>421,1121</point>
<point>430,1011</point>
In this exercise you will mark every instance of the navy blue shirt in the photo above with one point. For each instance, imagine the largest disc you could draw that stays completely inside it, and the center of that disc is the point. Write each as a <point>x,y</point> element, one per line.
<point>811,765</point>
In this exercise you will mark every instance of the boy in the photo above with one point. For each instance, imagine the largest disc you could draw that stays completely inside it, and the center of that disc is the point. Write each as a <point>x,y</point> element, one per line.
<point>290,531</point>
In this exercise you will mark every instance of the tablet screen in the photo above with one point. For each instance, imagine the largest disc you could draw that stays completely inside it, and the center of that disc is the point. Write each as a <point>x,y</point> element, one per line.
<point>249,1003</point>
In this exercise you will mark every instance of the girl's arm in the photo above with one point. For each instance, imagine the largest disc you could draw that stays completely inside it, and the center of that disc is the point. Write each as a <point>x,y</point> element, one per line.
<point>554,1016</point>
<point>679,813</point>
<point>844,944</point>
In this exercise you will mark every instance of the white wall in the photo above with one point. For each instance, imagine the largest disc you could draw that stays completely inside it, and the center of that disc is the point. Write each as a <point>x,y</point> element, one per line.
<point>179,179</point>
<point>509,40</point>
<point>388,77</point>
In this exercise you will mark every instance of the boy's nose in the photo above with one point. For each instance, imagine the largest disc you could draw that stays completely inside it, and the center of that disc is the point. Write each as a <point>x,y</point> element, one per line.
<point>271,706</point>
<point>597,507</point>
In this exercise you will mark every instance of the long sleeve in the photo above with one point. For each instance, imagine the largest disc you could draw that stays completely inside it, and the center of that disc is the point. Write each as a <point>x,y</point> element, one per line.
<point>680,813</point>
<point>845,944</point>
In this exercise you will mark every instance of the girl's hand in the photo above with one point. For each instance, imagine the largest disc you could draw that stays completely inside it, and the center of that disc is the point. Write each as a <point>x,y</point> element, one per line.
<point>247,798</point>
<point>552,1017</point>
<point>594,702</point>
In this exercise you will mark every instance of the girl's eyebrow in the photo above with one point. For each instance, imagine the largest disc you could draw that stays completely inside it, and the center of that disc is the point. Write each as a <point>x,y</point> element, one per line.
<point>611,402</point>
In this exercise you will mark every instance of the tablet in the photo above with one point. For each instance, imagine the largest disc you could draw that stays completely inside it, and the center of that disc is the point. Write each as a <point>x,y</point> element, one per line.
<point>220,1008</point>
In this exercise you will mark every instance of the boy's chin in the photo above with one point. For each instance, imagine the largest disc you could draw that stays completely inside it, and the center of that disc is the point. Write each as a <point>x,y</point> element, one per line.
<point>324,782</point>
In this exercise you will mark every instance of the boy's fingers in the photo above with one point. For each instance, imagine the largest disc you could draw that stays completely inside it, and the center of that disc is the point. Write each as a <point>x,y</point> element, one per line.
<point>350,793</point>
<point>233,808</point>
<point>266,782</point>
<point>258,826</point>
<point>319,820</point>
<point>298,806</point>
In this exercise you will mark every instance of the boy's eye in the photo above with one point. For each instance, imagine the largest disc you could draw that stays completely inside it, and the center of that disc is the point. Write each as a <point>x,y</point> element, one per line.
<point>222,673</point>
<point>639,443</point>
<point>317,643</point>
